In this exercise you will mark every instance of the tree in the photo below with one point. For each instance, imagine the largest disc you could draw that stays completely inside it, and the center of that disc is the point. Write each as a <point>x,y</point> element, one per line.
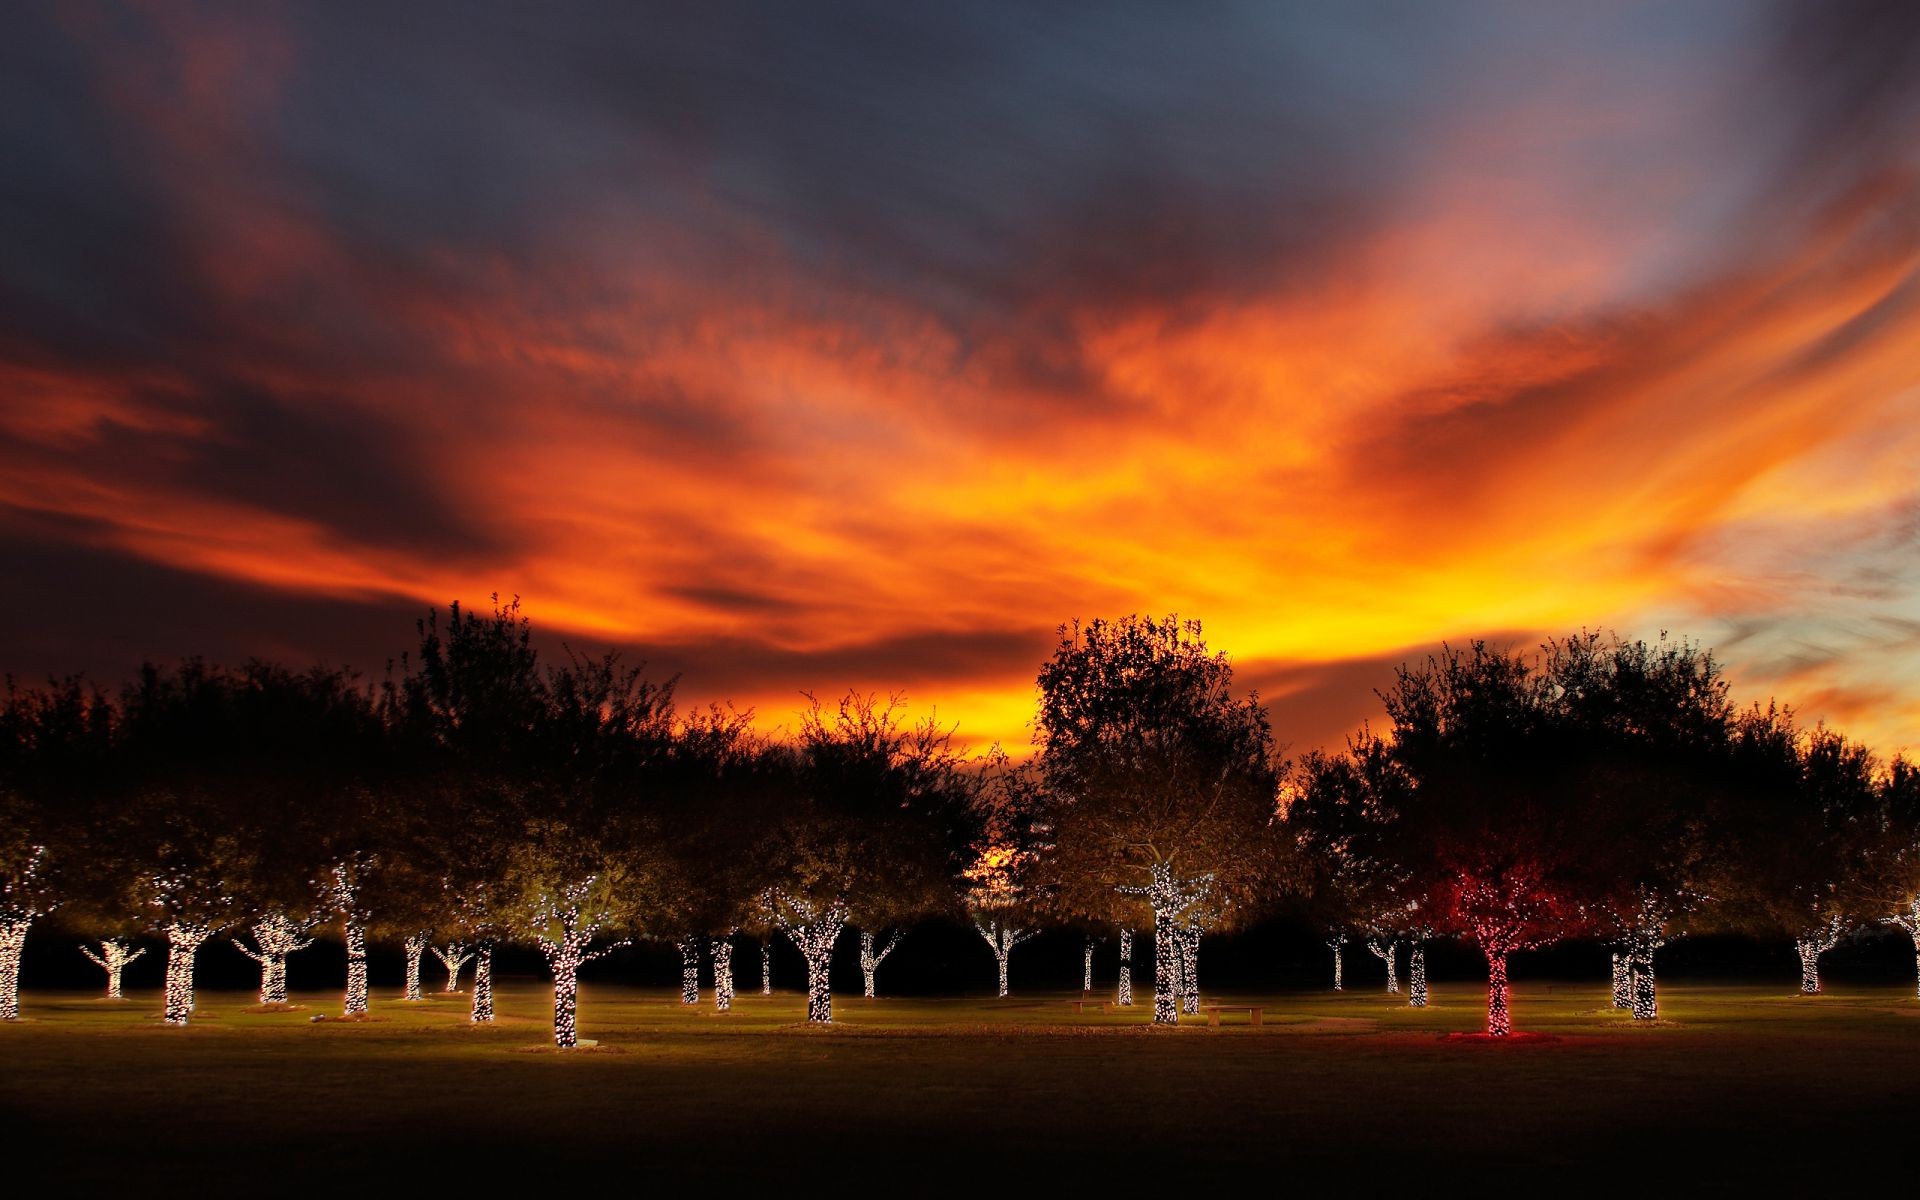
<point>113,958</point>
<point>276,935</point>
<point>1896,853</point>
<point>24,896</point>
<point>1154,781</point>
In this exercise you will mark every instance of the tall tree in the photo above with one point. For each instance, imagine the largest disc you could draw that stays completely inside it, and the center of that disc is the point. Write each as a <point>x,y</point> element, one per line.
<point>1155,780</point>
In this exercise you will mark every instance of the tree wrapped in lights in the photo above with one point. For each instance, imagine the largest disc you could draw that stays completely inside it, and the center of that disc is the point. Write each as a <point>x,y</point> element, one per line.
<point>1086,965</point>
<point>766,966</point>
<point>1336,942</point>
<point>345,890</point>
<point>453,957</point>
<point>113,958</point>
<point>565,920</point>
<point>24,896</point>
<point>414,946</point>
<point>1151,780</point>
<point>192,908</point>
<point>1417,971</point>
<point>276,935</point>
<point>813,928</point>
<point>1002,937</point>
<point>872,954</point>
<point>1123,991</point>
<point>1622,980</point>
<point>1387,951</point>
<point>720,950</point>
<point>689,948</point>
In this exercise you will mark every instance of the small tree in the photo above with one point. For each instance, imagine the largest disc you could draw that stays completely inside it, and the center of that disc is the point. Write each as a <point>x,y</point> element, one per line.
<point>276,935</point>
<point>115,954</point>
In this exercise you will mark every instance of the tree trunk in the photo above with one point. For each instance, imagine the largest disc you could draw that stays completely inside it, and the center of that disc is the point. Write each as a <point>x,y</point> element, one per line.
<point>869,965</point>
<point>356,1002</point>
<point>182,946</point>
<point>273,979</point>
<point>1646,1005</point>
<point>1190,971</point>
<point>13,940</point>
<point>1499,1012</point>
<point>1417,976</point>
<point>482,1011</point>
<point>1622,981</point>
<point>766,967</point>
<point>1166,970</point>
<point>1388,954</point>
<point>1809,965</point>
<point>566,998</point>
<point>689,970</point>
<point>819,992</point>
<point>722,950</point>
<point>416,949</point>
<point>1086,970</point>
<point>1123,995</point>
<point>1002,956</point>
<point>1339,984</point>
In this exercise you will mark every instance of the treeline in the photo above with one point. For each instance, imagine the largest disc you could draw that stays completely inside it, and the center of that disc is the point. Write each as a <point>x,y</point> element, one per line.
<point>477,796</point>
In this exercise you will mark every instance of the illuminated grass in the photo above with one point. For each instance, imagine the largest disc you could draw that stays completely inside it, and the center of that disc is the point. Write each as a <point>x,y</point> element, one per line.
<point>1332,1084</point>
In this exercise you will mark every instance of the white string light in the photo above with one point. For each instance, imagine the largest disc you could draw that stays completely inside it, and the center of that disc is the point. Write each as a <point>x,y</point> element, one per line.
<point>766,966</point>
<point>193,912</point>
<point>813,929</point>
<point>870,959</point>
<point>416,948</point>
<point>1622,981</point>
<point>1389,954</point>
<point>1123,994</point>
<point>1417,974</point>
<point>1811,945</point>
<point>343,893</point>
<point>22,898</point>
<point>113,959</point>
<point>277,936</point>
<point>1169,899</point>
<point>564,932</point>
<point>720,949</point>
<point>453,958</point>
<point>1335,944</point>
<point>1086,966</point>
<point>1002,937</point>
<point>689,970</point>
<point>482,1011</point>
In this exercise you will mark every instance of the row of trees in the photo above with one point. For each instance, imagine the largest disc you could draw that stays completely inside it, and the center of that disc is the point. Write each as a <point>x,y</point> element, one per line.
<point>477,796</point>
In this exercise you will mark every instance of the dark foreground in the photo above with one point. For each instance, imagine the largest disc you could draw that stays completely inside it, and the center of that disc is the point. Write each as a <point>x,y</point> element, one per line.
<point>1740,1088</point>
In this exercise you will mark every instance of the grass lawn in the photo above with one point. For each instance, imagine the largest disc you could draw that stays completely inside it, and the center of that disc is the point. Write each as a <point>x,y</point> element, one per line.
<point>1738,1088</point>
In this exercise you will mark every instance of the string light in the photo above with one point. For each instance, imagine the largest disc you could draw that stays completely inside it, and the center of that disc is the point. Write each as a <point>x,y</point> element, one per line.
<point>1388,954</point>
<point>193,912</point>
<point>22,898</point>
<point>1002,937</point>
<point>343,893</point>
<point>1812,945</point>
<point>1622,981</point>
<point>1086,968</point>
<point>721,949</point>
<point>813,929</point>
<point>1500,915</point>
<point>1335,944</point>
<point>1910,921</point>
<point>689,970</point>
<point>564,931</point>
<point>766,966</point>
<point>1169,899</point>
<point>1123,995</point>
<point>277,935</point>
<point>416,948</point>
<point>477,918</point>
<point>482,1011</point>
<point>1190,968</point>
<point>113,958</point>
<point>870,959</point>
<point>1417,974</point>
<point>453,958</point>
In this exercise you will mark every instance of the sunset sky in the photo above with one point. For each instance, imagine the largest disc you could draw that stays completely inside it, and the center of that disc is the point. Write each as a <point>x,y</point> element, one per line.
<point>801,346</point>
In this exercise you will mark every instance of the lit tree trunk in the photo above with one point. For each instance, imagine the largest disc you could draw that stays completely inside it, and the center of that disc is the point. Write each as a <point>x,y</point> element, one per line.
<point>1190,970</point>
<point>452,958</point>
<point>277,935</point>
<point>1335,943</point>
<point>1123,995</point>
<point>870,960</point>
<point>1388,954</point>
<point>416,947</point>
<point>13,940</point>
<point>1086,970</point>
<point>566,998</point>
<point>1169,899</point>
<point>113,958</point>
<point>356,1000</point>
<point>1499,1010</point>
<point>1812,945</point>
<point>1001,939</point>
<point>1417,975</point>
<point>766,967</point>
<point>1646,1005</point>
<point>722,950</point>
<point>814,936</point>
<point>564,933</point>
<point>1622,981</point>
<point>482,1010</point>
<point>183,944</point>
<point>689,970</point>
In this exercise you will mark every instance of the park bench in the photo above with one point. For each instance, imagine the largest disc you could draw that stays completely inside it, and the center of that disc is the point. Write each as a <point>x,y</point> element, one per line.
<point>1255,1013</point>
<point>1080,1006</point>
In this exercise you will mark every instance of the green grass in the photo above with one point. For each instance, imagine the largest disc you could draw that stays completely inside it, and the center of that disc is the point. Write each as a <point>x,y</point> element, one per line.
<point>1355,1092</point>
